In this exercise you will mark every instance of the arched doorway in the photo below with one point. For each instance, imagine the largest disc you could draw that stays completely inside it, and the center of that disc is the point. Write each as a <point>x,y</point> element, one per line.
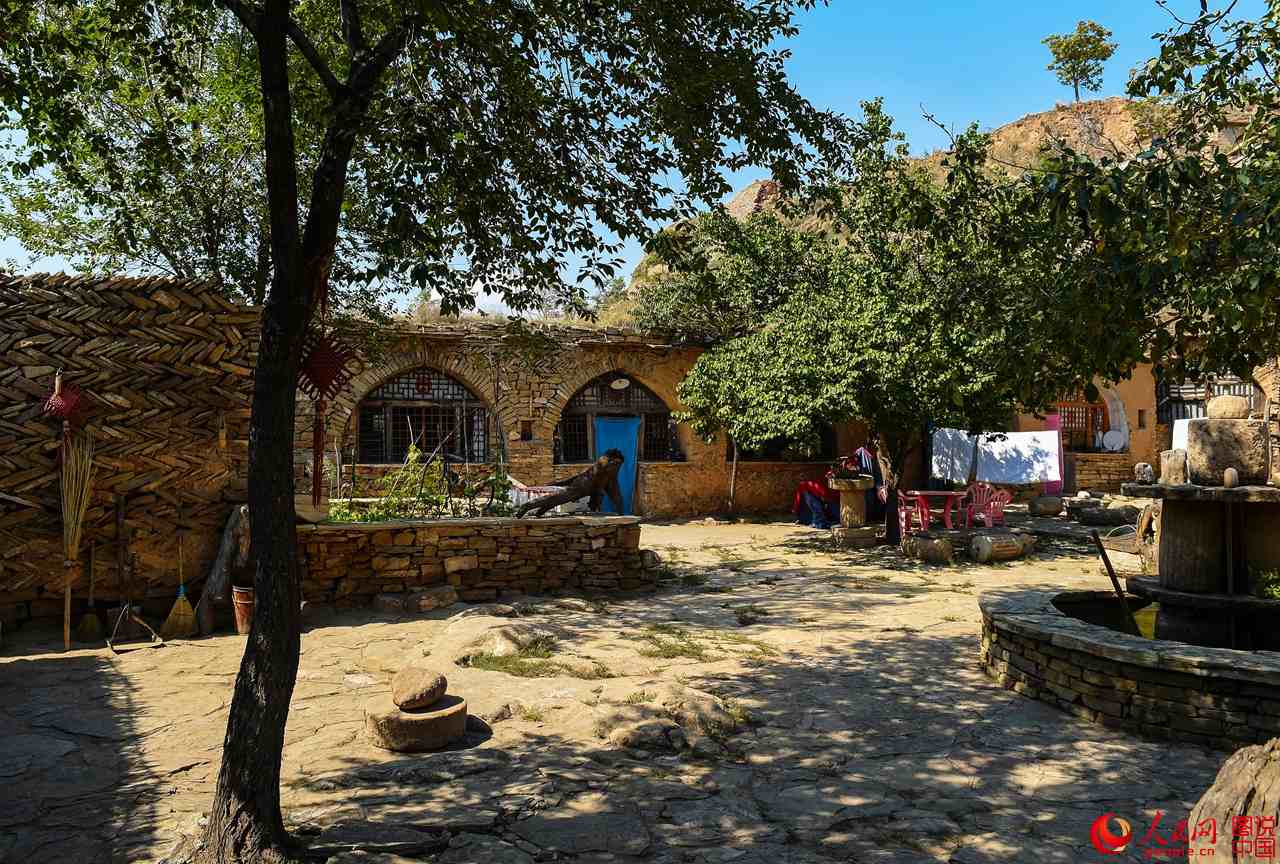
<point>427,409</point>
<point>614,411</point>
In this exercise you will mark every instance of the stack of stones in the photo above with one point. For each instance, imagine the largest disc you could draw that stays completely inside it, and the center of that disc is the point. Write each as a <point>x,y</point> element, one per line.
<point>350,564</point>
<point>417,715</point>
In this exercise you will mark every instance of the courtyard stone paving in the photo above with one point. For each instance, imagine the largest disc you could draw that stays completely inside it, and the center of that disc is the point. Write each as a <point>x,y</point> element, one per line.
<point>870,733</point>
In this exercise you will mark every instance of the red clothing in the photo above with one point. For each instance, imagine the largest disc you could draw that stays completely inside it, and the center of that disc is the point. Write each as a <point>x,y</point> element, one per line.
<point>817,487</point>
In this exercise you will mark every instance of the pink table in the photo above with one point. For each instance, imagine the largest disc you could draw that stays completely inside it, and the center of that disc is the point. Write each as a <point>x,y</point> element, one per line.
<point>946,501</point>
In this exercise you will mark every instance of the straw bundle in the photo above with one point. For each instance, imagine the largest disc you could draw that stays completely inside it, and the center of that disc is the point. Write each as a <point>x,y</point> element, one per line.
<point>77,483</point>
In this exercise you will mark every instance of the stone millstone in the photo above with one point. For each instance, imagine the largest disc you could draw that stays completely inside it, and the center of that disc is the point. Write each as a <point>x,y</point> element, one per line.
<point>1216,445</point>
<point>414,731</point>
<point>414,688</point>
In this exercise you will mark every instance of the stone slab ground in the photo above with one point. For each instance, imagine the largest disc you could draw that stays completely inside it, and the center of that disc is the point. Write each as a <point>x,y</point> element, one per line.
<point>867,733</point>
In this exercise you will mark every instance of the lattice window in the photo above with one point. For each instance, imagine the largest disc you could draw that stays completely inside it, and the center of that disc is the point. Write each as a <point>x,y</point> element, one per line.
<point>373,434</point>
<point>613,395</point>
<point>657,437</point>
<point>1082,425</point>
<point>575,444</point>
<point>424,408</point>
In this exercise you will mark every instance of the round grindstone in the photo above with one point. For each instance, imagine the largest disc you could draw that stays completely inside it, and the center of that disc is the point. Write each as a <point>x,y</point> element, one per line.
<point>390,728</point>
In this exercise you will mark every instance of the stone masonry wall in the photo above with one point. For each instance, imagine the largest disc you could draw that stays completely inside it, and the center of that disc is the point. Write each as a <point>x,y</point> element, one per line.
<point>484,559</point>
<point>1102,472</point>
<point>1225,705</point>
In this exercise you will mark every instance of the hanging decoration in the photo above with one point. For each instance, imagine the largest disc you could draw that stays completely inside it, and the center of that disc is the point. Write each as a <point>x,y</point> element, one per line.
<point>67,403</point>
<point>327,367</point>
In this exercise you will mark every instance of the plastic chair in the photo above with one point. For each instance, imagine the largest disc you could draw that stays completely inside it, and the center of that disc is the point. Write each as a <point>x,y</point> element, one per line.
<point>984,502</point>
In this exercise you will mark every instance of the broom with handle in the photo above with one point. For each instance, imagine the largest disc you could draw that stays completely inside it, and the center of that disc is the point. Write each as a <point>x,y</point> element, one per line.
<point>181,622</point>
<point>90,626</point>
<point>77,481</point>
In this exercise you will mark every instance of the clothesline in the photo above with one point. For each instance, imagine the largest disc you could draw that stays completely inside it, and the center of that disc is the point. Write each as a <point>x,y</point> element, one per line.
<point>1010,458</point>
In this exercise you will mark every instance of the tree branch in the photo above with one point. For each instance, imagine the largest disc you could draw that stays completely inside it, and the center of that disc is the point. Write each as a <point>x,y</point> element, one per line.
<point>308,49</point>
<point>365,75</point>
<point>352,29</point>
<point>250,16</point>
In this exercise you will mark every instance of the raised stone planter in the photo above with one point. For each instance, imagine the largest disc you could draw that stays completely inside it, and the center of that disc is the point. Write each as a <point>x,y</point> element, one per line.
<point>351,564</point>
<point>1166,690</point>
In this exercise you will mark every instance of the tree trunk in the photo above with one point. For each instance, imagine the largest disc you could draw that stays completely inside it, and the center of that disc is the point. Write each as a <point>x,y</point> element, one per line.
<point>733,478</point>
<point>245,823</point>
<point>891,453</point>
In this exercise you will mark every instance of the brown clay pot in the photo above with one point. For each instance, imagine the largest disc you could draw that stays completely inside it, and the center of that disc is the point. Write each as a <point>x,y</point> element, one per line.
<point>242,603</point>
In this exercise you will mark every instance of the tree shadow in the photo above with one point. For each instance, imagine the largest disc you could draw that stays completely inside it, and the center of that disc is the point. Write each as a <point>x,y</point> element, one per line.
<point>76,787</point>
<point>888,746</point>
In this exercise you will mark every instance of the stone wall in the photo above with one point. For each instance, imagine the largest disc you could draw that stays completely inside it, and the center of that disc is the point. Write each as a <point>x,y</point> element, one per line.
<point>1167,690</point>
<point>484,559</point>
<point>1101,472</point>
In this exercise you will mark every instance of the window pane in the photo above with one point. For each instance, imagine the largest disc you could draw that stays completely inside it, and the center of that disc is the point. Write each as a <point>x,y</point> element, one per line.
<point>373,435</point>
<point>574,445</point>
<point>657,441</point>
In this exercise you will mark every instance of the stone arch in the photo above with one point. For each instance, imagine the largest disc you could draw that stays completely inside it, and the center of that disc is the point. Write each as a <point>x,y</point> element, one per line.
<point>638,368</point>
<point>454,363</point>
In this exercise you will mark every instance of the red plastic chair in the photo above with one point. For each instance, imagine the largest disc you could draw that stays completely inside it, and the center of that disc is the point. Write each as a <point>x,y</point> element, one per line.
<point>984,502</point>
<point>909,510</point>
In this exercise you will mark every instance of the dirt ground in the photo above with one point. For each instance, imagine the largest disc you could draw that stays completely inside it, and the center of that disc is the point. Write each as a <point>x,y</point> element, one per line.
<point>779,701</point>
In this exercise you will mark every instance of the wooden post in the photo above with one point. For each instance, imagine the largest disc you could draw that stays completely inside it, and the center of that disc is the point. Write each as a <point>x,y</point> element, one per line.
<point>733,476</point>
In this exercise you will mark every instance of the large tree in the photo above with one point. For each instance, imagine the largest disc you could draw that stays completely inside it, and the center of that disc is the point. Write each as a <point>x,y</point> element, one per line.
<point>925,302</point>
<point>490,141</point>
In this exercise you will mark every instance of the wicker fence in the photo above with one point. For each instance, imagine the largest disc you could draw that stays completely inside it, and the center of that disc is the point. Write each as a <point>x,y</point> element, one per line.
<point>166,367</point>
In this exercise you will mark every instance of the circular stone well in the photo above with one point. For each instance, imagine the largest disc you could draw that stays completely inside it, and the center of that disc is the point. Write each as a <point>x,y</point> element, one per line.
<point>1168,690</point>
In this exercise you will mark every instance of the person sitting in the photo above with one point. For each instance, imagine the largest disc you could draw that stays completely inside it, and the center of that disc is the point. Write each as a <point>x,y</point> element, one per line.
<point>816,503</point>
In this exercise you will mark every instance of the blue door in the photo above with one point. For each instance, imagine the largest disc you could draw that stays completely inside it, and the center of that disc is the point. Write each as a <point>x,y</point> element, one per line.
<point>624,434</point>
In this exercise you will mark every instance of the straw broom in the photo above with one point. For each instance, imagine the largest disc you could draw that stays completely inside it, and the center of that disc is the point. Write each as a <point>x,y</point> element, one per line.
<point>77,482</point>
<point>90,626</point>
<point>181,623</point>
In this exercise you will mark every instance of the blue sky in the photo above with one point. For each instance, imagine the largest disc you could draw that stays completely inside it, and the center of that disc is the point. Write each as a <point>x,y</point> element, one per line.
<point>965,61</point>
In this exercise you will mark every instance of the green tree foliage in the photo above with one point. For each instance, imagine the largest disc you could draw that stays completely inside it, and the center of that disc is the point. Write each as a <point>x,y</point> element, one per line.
<point>1187,231</point>
<point>917,309</point>
<point>1079,57</point>
<point>483,146</point>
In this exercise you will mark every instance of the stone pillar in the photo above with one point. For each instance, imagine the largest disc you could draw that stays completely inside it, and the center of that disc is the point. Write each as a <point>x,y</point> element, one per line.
<point>853,499</point>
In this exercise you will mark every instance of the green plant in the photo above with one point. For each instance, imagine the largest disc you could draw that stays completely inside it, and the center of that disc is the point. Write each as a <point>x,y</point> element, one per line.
<point>639,697</point>
<point>531,714</point>
<point>1267,584</point>
<point>534,661</point>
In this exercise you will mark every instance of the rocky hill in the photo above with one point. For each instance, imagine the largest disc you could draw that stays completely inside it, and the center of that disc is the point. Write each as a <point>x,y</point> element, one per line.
<point>1113,127</point>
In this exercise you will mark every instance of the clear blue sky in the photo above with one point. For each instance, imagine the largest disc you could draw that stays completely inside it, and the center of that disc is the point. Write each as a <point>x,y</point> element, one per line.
<point>965,61</point>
